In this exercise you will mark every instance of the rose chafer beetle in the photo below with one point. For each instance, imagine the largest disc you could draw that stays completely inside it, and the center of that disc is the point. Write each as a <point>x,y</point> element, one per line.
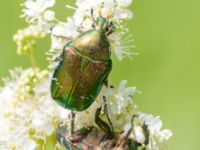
<point>83,67</point>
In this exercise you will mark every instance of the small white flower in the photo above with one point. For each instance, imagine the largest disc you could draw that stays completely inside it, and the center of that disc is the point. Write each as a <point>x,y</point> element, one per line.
<point>121,106</point>
<point>28,144</point>
<point>59,36</point>
<point>36,12</point>
<point>122,11</point>
<point>124,3</point>
<point>121,45</point>
<point>124,14</point>
<point>49,15</point>
<point>34,9</point>
<point>157,137</point>
<point>120,98</point>
<point>139,134</point>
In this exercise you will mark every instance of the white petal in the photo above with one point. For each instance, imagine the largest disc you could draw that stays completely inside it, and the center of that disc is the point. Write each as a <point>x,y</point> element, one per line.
<point>166,134</point>
<point>124,14</point>
<point>49,3</point>
<point>122,85</point>
<point>49,15</point>
<point>28,144</point>
<point>118,52</point>
<point>139,135</point>
<point>30,4</point>
<point>124,3</point>
<point>155,125</point>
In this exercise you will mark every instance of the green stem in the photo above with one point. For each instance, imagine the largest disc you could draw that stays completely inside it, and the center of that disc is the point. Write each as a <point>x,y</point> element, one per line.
<point>32,59</point>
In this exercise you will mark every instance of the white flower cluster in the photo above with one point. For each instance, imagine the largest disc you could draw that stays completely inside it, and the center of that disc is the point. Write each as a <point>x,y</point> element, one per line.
<point>28,115</point>
<point>115,10</point>
<point>121,108</point>
<point>36,12</point>
<point>43,21</point>
<point>120,104</point>
<point>40,22</point>
<point>27,124</point>
<point>26,39</point>
<point>157,137</point>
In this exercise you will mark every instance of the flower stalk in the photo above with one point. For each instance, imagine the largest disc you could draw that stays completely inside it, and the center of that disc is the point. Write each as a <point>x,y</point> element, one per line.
<point>32,59</point>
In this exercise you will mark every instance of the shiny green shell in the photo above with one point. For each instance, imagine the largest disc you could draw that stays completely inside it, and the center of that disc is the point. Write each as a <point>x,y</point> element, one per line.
<point>83,68</point>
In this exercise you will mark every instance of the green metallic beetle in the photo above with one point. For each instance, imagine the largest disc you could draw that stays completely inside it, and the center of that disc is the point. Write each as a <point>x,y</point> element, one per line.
<point>83,67</point>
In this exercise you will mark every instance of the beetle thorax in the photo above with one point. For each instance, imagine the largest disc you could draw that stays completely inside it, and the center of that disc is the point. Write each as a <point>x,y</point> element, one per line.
<point>93,44</point>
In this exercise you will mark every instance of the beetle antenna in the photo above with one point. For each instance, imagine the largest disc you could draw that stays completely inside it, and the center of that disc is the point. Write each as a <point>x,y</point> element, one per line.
<point>92,15</point>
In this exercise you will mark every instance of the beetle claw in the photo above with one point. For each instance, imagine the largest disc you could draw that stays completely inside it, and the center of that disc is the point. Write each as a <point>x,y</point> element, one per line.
<point>132,126</point>
<point>109,130</point>
<point>106,112</point>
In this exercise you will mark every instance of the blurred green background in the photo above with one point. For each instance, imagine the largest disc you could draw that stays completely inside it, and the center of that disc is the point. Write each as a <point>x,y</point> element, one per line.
<point>167,71</point>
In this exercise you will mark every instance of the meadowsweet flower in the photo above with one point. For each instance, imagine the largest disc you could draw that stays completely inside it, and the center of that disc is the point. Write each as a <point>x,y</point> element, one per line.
<point>35,10</point>
<point>59,37</point>
<point>124,3</point>
<point>49,15</point>
<point>122,9</point>
<point>28,115</point>
<point>157,137</point>
<point>26,39</point>
<point>121,45</point>
<point>108,8</point>
<point>25,121</point>
<point>121,106</point>
<point>139,134</point>
<point>82,21</point>
<point>119,103</point>
<point>115,10</point>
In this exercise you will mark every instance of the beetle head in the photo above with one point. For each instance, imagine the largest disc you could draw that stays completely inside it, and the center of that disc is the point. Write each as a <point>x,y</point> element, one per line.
<point>103,24</point>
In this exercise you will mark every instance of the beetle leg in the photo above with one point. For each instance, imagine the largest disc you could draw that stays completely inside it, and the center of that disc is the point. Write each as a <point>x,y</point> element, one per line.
<point>102,124</point>
<point>132,145</point>
<point>106,112</point>
<point>72,121</point>
<point>62,137</point>
<point>132,126</point>
<point>111,29</point>
<point>144,127</point>
<point>135,145</point>
<point>92,15</point>
<point>146,131</point>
